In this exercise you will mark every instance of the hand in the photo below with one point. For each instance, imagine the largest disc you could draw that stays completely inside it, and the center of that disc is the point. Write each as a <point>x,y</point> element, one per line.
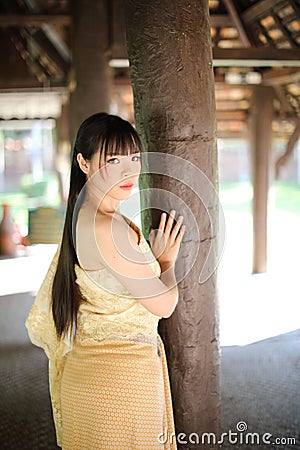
<point>165,241</point>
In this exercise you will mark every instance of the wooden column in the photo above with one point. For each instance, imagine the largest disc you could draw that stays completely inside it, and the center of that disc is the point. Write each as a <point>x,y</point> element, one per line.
<point>91,75</point>
<point>169,49</point>
<point>63,148</point>
<point>261,144</point>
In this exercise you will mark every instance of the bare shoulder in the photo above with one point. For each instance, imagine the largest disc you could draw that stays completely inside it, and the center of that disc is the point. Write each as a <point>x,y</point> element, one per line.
<point>115,238</point>
<point>107,226</point>
<point>103,230</point>
<point>111,231</point>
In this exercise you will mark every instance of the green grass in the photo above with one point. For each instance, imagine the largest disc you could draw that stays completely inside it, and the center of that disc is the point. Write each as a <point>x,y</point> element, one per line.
<point>287,196</point>
<point>31,195</point>
<point>237,197</point>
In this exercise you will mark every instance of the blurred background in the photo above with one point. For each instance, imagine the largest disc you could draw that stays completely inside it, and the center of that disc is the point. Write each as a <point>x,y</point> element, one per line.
<point>256,51</point>
<point>57,58</point>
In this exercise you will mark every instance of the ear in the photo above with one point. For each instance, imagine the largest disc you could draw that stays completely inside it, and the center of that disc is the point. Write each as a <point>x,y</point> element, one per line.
<point>83,164</point>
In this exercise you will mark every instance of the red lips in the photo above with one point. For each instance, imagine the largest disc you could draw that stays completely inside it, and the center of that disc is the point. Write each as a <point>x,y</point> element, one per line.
<point>127,186</point>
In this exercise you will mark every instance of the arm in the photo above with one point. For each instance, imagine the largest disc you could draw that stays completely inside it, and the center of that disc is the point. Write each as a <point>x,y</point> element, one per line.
<point>129,265</point>
<point>169,279</point>
<point>165,245</point>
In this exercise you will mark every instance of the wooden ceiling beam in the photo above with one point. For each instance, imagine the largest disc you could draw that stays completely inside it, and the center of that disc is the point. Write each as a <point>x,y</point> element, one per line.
<point>232,105</point>
<point>232,115</point>
<point>57,41</point>
<point>256,57</point>
<point>37,20</point>
<point>264,32</point>
<point>285,107</point>
<point>49,31</point>
<point>220,21</point>
<point>31,85</point>
<point>250,57</point>
<point>280,77</point>
<point>259,9</point>
<point>295,7</point>
<point>21,46</point>
<point>47,47</point>
<point>284,31</point>
<point>20,20</point>
<point>235,16</point>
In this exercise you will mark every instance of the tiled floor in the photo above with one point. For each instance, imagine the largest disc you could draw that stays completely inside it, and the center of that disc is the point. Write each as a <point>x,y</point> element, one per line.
<point>260,387</point>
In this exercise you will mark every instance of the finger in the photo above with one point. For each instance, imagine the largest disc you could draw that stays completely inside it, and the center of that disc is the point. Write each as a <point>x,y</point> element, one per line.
<point>151,237</point>
<point>176,227</point>
<point>180,234</point>
<point>170,222</point>
<point>162,221</point>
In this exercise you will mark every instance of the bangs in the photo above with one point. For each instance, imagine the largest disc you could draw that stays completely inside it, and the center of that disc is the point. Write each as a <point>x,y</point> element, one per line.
<point>119,141</point>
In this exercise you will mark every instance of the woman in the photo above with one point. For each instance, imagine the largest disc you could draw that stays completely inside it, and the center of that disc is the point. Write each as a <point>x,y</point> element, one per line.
<point>97,311</point>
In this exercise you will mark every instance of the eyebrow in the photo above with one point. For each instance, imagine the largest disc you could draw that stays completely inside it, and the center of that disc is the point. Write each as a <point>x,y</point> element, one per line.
<point>121,154</point>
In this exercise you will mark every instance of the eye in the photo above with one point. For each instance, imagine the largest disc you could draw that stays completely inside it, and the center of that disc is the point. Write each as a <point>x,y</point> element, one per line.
<point>136,158</point>
<point>113,161</point>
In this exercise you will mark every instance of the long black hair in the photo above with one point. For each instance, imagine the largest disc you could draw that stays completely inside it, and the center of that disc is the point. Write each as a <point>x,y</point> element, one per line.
<point>111,135</point>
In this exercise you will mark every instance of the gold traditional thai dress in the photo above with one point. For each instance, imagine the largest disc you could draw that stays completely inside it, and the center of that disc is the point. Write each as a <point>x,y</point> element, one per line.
<point>109,385</point>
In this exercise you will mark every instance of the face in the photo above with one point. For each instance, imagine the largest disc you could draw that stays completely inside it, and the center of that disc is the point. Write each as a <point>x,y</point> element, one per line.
<point>116,176</point>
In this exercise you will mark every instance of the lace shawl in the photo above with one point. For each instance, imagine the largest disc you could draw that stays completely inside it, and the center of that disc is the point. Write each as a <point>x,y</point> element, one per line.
<point>42,332</point>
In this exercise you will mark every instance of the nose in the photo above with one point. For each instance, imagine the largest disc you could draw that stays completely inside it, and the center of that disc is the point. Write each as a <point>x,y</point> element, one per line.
<point>128,169</point>
<point>125,171</point>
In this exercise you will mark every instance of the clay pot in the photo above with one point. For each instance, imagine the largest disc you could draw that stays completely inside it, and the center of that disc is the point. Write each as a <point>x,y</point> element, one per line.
<point>8,247</point>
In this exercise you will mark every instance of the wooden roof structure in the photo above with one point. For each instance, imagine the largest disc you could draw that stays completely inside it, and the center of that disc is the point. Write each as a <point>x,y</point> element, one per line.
<point>254,41</point>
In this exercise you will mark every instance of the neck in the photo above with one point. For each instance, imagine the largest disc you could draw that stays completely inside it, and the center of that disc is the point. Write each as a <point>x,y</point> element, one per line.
<point>109,206</point>
<point>103,204</point>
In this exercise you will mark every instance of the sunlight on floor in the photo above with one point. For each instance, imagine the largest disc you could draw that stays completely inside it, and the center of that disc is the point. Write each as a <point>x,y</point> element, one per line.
<point>26,273</point>
<point>255,307</point>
